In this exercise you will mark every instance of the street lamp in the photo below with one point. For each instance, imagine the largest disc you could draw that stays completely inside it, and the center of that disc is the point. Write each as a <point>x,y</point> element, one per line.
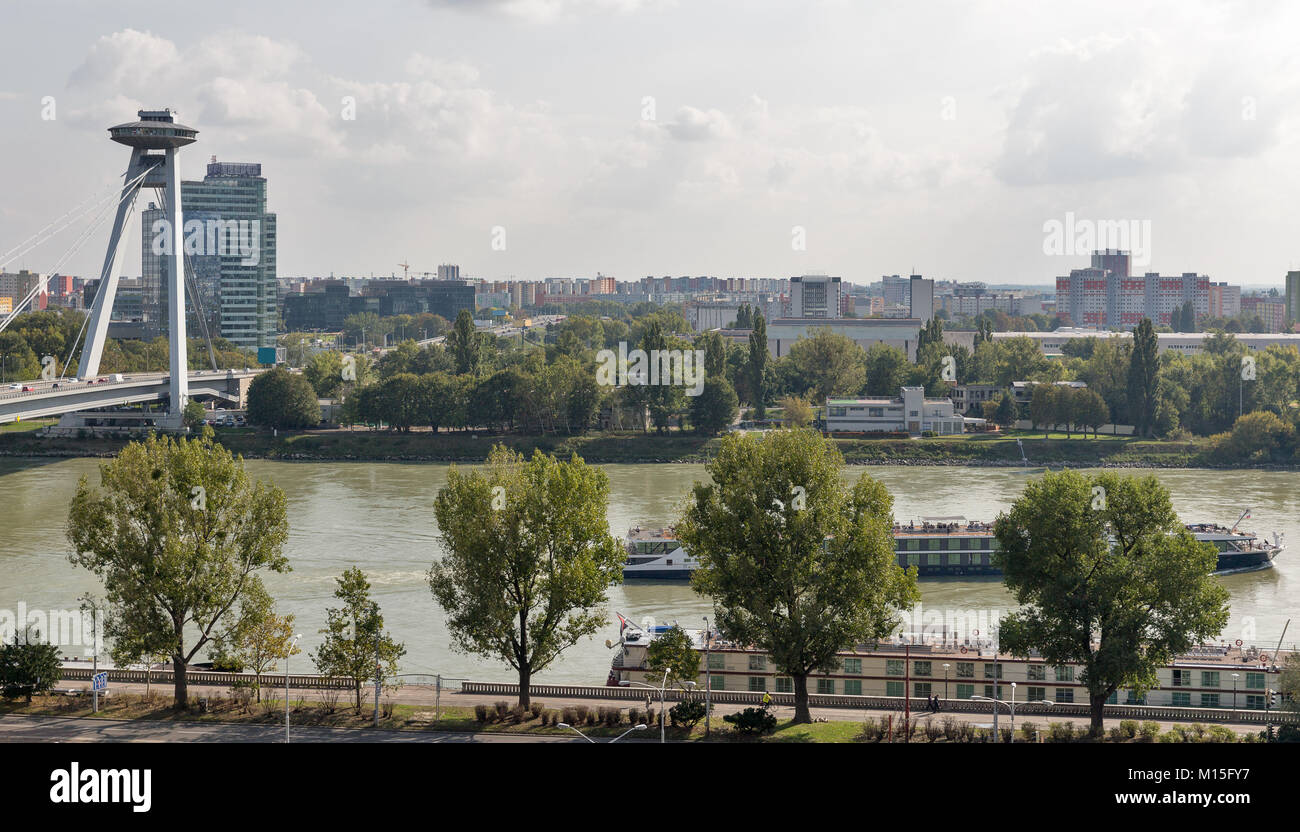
<point>662,687</point>
<point>708,676</point>
<point>639,727</point>
<point>945,680</point>
<point>293,644</point>
<point>1012,706</point>
<point>1235,676</point>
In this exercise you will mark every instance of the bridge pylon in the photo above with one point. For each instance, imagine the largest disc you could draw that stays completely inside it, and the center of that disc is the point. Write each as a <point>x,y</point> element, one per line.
<point>155,141</point>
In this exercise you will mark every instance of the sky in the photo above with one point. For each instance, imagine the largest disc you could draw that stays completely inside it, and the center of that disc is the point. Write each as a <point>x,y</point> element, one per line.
<point>554,138</point>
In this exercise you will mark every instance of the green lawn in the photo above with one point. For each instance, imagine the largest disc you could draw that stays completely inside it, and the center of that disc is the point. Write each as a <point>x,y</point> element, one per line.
<point>30,424</point>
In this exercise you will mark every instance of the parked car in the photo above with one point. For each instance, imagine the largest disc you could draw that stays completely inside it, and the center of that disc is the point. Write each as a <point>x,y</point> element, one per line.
<point>27,388</point>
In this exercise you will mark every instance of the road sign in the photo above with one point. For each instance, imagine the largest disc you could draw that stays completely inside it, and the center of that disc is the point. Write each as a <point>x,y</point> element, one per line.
<point>99,681</point>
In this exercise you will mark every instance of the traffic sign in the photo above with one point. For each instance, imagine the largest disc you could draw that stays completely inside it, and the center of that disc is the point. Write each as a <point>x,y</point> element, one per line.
<point>99,681</point>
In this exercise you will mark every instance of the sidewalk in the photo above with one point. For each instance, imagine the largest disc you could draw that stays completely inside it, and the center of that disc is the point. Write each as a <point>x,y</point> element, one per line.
<point>425,696</point>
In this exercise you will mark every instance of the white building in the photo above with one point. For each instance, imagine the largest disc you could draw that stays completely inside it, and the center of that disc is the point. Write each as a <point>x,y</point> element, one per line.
<point>814,296</point>
<point>910,412</point>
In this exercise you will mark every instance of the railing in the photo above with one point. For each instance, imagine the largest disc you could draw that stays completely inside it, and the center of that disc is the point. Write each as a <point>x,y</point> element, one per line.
<point>210,678</point>
<point>891,703</point>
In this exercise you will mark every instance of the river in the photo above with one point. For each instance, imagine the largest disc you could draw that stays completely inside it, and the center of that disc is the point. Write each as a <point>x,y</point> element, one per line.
<point>379,516</point>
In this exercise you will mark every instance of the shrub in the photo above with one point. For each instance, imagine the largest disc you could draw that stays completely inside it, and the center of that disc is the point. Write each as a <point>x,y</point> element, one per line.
<point>687,713</point>
<point>871,731</point>
<point>950,730</point>
<point>1007,734</point>
<point>1060,732</point>
<point>517,713</point>
<point>503,709</point>
<point>931,730</point>
<point>1149,731</point>
<point>536,709</point>
<point>634,716</point>
<point>481,713</point>
<point>1028,730</point>
<point>591,717</point>
<point>573,715</point>
<point>752,721</point>
<point>1129,727</point>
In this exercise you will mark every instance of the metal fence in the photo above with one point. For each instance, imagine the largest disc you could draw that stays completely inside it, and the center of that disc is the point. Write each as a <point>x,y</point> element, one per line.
<point>893,703</point>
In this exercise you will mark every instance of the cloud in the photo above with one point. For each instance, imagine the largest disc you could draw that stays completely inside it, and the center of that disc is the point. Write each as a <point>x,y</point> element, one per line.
<point>549,10</point>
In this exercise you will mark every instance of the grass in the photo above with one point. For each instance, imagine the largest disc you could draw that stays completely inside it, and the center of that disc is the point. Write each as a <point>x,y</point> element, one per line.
<point>632,447</point>
<point>29,425</point>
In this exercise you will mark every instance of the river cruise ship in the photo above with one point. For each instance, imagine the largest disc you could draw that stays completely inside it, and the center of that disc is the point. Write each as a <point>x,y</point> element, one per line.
<point>942,547</point>
<point>961,667</point>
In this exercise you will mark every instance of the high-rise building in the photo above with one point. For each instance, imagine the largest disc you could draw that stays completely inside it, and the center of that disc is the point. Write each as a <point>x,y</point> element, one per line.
<point>921,298</point>
<point>448,272</point>
<point>1106,296</point>
<point>815,296</point>
<point>232,258</point>
<point>895,290</point>
<point>1293,297</point>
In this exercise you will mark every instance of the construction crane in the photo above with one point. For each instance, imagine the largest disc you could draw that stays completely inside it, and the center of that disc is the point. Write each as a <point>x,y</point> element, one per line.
<point>406,269</point>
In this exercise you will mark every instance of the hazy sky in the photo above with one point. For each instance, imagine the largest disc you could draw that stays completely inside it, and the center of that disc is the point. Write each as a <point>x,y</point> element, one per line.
<point>636,137</point>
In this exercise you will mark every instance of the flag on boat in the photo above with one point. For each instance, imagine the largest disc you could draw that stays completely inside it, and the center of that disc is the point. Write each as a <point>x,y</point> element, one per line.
<point>622,622</point>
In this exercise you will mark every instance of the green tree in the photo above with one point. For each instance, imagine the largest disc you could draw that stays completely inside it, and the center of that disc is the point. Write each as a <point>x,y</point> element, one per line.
<point>1042,407</point>
<point>1144,378</point>
<point>1090,410</point>
<point>257,639</point>
<point>355,641</point>
<point>673,653</point>
<point>829,363</point>
<point>528,558</point>
<point>28,666</point>
<point>194,414</point>
<point>284,400</point>
<point>715,407</point>
<point>797,563</point>
<point>465,345</point>
<point>756,368</point>
<point>798,412</point>
<point>178,535</point>
<point>886,369</point>
<point>324,372</point>
<point>1106,577</point>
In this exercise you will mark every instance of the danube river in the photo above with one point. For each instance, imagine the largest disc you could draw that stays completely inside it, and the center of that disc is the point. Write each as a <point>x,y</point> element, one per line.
<point>379,516</point>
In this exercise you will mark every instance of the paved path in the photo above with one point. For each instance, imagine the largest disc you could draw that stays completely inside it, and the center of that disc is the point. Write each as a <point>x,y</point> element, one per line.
<point>424,695</point>
<point>20,728</point>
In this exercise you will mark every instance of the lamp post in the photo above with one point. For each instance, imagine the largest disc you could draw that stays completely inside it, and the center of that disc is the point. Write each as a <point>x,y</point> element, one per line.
<point>640,727</point>
<point>1012,706</point>
<point>293,644</point>
<point>662,687</point>
<point>708,678</point>
<point>1235,676</point>
<point>945,680</point>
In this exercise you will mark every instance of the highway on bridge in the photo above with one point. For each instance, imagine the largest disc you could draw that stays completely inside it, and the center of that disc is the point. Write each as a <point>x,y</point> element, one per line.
<point>37,399</point>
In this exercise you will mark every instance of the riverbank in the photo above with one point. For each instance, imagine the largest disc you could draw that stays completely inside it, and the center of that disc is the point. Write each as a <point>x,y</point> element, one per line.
<point>993,450</point>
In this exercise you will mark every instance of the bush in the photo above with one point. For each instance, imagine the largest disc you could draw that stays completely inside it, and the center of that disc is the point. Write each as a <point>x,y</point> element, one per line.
<point>591,717</point>
<point>536,709</point>
<point>1129,728</point>
<point>481,713</point>
<point>687,713</point>
<point>871,731</point>
<point>502,710</point>
<point>1028,731</point>
<point>517,713</point>
<point>1149,731</point>
<point>1060,732</point>
<point>932,732</point>
<point>752,721</point>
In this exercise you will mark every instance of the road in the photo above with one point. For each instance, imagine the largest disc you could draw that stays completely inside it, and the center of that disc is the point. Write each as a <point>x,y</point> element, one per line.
<point>16,728</point>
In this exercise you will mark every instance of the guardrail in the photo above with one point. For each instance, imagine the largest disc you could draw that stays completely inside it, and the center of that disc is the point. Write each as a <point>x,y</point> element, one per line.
<point>893,703</point>
<point>210,678</point>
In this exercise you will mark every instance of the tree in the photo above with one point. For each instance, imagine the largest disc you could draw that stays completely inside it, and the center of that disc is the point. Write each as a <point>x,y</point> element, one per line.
<point>355,641</point>
<point>528,558</point>
<point>1042,407</point>
<point>1106,577</point>
<point>756,368</point>
<point>28,666</point>
<point>193,414</point>
<point>829,363</point>
<point>1006,412</point>
<point>886,369</point>
<point>715,407</point>
<point>284,400</point>
<point>178,535</point>
<point>797,563</point>
<point>257,639</point>
<point>324,372</point>
<point>1144,378</point>
<point>672,652</point>
<point>798,412</point>
<point>1090,410</point>
<point>465,345</point>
